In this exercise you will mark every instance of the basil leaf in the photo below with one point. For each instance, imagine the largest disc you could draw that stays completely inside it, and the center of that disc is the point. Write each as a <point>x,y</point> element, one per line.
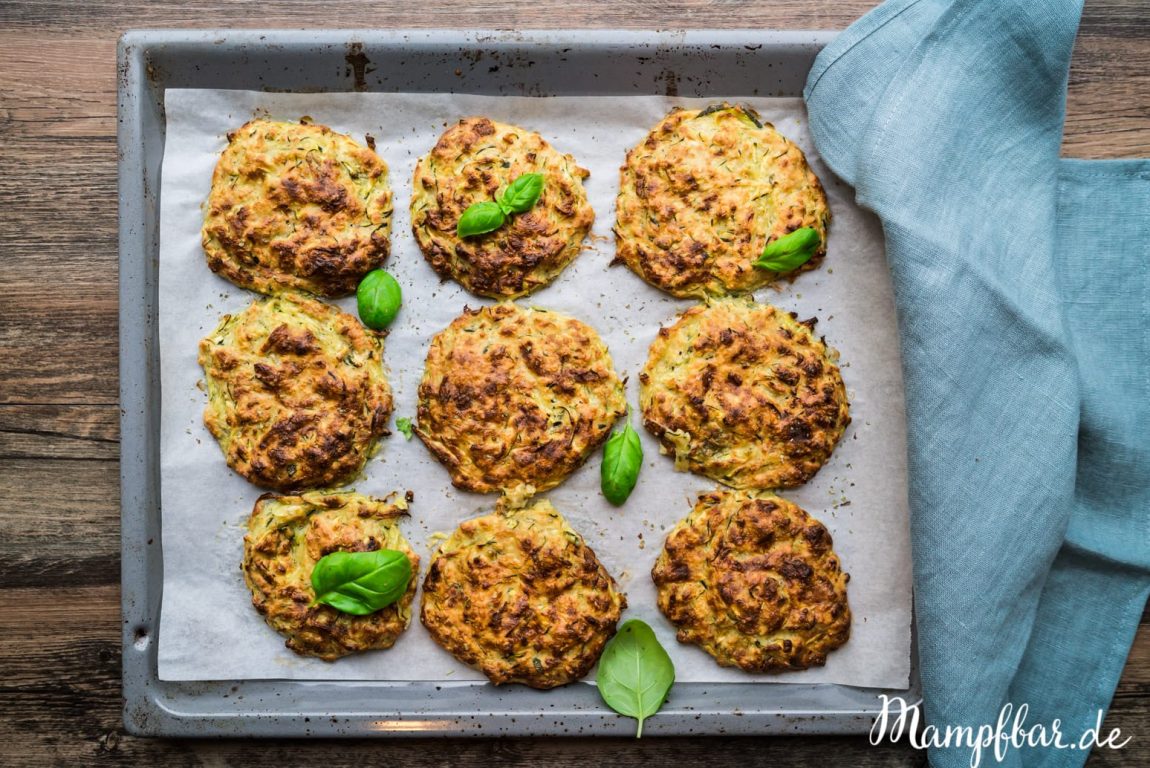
<point>521,194</point>
<point>713,108</point>
<point>622,460</point>
<point>635,673</point>
<point>480,218</point>
<point>790,251</point>
<point>361,583</point>
<point>750,115</point>
<point>742,111</point>
<point>403,424</point>
<point>378,299</point>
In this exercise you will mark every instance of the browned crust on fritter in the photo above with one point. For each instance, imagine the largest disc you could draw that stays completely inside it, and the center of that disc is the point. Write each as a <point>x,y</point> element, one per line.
<point>745,394</point>
<point>519,595</point>
<point>296,206</point>
<point>297,395</point>
<point>704,193</point>
<point>474,160</point>
<point>514,399</point>
<point>287,535</point>
<point>752,579</point>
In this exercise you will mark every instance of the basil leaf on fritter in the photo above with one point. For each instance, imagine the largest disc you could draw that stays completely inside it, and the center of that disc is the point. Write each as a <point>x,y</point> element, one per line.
<point>361,583</point>
<point>790,251</point>
<point>480,218</point>
<point>521,194</point>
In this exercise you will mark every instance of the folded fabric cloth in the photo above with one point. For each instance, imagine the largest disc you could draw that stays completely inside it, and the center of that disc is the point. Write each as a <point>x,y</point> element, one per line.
<point>1023,289</point>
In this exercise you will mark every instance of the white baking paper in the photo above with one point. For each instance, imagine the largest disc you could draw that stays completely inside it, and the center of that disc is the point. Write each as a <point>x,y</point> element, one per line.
<point>209,630</point>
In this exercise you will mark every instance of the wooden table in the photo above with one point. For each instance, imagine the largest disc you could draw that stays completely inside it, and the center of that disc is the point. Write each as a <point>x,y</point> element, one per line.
<point>59,474</point>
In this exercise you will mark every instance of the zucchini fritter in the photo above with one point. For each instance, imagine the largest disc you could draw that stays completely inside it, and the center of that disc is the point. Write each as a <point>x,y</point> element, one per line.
<point>752,579</point>
<point>745,394</point>
<point>514,399</point>
<point>297,395</point>
<point>474,160</point>
<point>519,595</point>
<point>287,535</point>
<point>704,193</point>
<point>296,206</point>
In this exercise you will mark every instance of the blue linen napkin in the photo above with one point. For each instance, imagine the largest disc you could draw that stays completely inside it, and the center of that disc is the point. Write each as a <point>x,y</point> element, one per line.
<point>1022,282</point>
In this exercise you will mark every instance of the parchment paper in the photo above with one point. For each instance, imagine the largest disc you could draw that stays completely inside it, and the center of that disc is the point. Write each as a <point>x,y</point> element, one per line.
<point>209,630</point>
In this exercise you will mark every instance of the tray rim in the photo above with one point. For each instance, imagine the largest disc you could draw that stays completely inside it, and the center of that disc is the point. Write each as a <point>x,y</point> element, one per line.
<point>153,707</point>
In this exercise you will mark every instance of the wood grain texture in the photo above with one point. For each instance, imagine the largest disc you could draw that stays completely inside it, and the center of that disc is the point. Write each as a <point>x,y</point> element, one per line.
<point>59,476</point>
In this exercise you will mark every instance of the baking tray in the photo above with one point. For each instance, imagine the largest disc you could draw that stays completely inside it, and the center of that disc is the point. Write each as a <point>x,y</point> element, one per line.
<point>539,63</point>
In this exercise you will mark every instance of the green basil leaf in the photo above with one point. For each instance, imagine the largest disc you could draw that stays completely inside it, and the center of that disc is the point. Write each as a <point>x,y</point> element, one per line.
<point>790,251</point>
<point>403,424</point>
<point>713,108</point>
<point>522,194</point>
<point>480,218</point>
<point>742,111</point>
<point>750,115</point>
<point>622,460</point>
<point>378,299</point>
<point>361,583</point>
<point>635,673</point>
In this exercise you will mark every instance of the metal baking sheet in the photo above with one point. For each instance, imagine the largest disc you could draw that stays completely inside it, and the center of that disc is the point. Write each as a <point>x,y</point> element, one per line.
<point>535,64</point>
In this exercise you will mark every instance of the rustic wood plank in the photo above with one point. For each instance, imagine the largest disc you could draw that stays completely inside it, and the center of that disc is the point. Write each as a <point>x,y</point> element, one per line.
<point>55,431</point>
<point>1108,99</point>
<point>58,317</point>
<point>61,519</point>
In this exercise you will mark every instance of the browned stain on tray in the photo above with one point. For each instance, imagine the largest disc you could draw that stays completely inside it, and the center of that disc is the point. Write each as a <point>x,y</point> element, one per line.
<point>357,62</point>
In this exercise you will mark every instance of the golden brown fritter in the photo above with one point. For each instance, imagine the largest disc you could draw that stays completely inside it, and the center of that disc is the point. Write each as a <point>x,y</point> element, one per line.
<point>473,161</point>
<point>287,535</point>
<point>752,579</point>
<point>745,394</point>
<point>297,395</point>
<point>704,193</point>
<point>296,206</point>
<point>515,399</point>
<point>519,595</point>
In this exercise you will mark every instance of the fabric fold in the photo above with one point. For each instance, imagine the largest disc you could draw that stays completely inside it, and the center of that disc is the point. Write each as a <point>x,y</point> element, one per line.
<point>1021,287</point>
<point>872,49</point>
